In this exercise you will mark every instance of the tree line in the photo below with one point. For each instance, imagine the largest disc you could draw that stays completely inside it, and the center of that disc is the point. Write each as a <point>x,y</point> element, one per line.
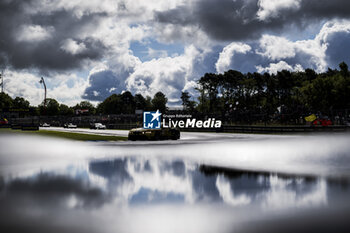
<point>124,103</point>
<point>232,96</point>
<point>285,95</point>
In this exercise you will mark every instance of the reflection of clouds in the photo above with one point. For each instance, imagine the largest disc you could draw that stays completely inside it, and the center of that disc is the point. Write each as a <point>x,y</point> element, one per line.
<point>148,180</point>
<point>282,196</point>
<point>317,155</point>
<point>162,180</point>
<point>141,180</point>
<point>138,180</point>
<point>54,190</point>
<point>129,181</point>
<point>227,194</point>
<point>155,195</point>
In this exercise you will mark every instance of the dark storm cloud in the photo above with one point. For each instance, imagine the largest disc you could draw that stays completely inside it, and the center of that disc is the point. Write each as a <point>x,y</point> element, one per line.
<point>338,49</point>
<point>238,20</point>
<point>246,62</point>
<point>104,83</point>
<point>220,19</point>
<point>45,54</point>
<point>325,9</point>
<point>207,64</point>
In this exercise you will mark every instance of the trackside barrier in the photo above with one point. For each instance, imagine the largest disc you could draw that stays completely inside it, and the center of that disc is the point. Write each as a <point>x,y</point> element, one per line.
<point>251,129</point>
<point>271,129</point>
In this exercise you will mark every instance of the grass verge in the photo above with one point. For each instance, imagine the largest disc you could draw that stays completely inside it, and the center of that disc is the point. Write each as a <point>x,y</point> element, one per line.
<point>68,135</point>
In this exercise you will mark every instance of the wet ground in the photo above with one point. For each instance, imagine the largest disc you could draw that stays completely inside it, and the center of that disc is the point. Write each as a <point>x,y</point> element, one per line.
<point>202,183</point>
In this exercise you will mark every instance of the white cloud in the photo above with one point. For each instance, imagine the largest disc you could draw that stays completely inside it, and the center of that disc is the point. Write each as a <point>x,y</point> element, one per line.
<point>271,8</point>
<point>280,197</point>
<point>275,48</point>
<point>34,33</point>
<point>163,74</point>
<point>133,20</point>
<point>153,53</point>
<point>24,85</point>
<point>98,67</point>
<point>69,91</point>
<point>172,75</point>
<point>168,75</point>
<point>273,68</point>
<point>227,53</point>
<point>332,27</point>
<point>73,47</point>
<point>64,88</point>
<point>226,193</point>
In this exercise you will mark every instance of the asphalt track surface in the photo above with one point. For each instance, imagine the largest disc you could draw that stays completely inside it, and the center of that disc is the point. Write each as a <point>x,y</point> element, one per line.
<point>185,136</point>
<point>202,183</point>
<point>311,154</point>
<point>326,155</point>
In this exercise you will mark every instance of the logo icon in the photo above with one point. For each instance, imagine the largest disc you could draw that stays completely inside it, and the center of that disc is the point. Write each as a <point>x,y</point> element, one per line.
<point>151,120</point>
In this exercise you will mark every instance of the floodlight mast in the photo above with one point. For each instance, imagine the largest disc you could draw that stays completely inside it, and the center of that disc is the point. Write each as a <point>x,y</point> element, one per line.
<point>43,82</point>
<point>2,81</point>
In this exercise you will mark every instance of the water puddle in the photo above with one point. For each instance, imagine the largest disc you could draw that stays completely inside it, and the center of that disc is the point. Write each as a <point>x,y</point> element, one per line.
<point>140,194</point>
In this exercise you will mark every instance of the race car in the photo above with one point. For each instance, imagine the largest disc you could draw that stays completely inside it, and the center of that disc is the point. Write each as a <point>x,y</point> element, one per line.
<point>154,134</point>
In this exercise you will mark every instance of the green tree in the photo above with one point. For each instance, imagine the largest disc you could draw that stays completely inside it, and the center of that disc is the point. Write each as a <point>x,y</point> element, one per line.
<point>65,110</point>
<point>310,75</point>
<point>5,101</point>
<point>111,105</point>
<point>20,102</point>
<point>128,103</point>
<point>140,102</point>
<point>344,70</point>
<point>186,101</point>
<point>159,102</point>
<point>86,105</point>
<point>209,86</point>
<point>148,103</point>
<point>242,97</point>
<point>51,109</point>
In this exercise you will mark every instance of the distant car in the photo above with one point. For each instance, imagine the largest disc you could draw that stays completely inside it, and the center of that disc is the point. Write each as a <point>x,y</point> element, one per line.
<point>154,134</point>
<point>45,125</point>
<point>97,126</point>
<point>70,126</point>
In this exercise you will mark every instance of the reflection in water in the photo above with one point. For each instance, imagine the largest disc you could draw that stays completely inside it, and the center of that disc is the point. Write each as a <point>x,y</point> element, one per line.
<point>153,181</point>
<point>325,155</point>
<point>153,195</point>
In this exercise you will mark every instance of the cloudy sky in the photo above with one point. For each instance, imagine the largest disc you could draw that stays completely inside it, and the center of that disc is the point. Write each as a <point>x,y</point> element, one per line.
<point>88,50</point>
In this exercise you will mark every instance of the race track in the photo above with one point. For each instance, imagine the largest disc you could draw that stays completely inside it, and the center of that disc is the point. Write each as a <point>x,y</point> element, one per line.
<point>202,183</point>
<point>185,136</point>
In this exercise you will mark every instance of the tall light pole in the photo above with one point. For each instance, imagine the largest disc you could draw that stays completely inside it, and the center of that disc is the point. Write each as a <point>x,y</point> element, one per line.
<point>43,82</point>
<point>2,81</point>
